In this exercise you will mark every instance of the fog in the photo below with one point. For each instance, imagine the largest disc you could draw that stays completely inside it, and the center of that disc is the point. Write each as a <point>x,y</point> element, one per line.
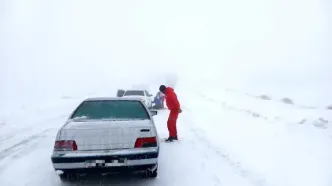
<point>60,48</point>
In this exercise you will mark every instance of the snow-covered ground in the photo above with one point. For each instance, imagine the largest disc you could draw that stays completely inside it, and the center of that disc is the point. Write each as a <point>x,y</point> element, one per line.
<point>284,144</point>
<point>231,62</point>
<point>222,142</point>
<point>189,161</point>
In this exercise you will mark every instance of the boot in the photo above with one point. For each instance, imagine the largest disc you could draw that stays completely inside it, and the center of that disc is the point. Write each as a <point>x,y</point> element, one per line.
<point>169,139</point>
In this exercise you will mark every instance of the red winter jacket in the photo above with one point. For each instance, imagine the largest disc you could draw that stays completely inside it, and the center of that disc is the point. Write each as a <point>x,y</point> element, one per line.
<point>171,99</point>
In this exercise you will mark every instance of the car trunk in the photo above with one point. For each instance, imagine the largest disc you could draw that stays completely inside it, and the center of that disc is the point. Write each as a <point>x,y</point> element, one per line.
<point>106,135</point>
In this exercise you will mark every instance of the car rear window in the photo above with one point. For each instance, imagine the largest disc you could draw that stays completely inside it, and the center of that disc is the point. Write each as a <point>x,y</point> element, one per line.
<point>134,93</point>
<point>111,109</point>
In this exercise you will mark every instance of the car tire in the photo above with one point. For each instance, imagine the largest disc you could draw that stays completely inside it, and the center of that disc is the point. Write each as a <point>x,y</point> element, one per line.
<point>67,177</point>
<point>152,174</point>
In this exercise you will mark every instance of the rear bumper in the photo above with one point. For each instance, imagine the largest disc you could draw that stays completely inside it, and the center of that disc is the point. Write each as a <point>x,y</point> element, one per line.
<point>110,169</point>
<point>105,163</point>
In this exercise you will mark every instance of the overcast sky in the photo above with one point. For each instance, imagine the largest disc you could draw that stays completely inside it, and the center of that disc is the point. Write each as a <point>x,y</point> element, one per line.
<point>51,48</point>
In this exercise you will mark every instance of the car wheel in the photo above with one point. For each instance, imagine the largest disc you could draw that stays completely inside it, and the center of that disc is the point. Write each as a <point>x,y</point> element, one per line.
<point>152,174</point>
<point>67,177</point>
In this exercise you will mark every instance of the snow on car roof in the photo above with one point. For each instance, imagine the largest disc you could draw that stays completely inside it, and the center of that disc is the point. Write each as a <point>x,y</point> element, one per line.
<point>135,90</point>
<point>111,98</point>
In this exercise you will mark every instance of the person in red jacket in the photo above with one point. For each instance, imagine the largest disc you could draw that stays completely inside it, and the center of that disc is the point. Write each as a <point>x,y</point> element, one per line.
<point>174,107</point>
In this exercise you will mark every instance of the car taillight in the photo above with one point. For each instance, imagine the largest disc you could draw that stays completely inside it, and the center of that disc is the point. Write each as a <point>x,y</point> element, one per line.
<point>146,142</point>
<point>65,145</point>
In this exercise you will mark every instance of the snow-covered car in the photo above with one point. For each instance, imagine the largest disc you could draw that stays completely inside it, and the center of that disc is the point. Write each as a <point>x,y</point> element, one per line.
<point>143,95</point>
<point>106,135</point>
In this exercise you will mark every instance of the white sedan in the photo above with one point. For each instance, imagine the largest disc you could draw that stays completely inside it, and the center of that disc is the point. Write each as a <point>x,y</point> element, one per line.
<point>107,135</point>
<point>141,94</point>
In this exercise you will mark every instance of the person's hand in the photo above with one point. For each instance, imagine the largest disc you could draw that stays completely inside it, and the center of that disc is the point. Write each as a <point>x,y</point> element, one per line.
<point>180,110</point>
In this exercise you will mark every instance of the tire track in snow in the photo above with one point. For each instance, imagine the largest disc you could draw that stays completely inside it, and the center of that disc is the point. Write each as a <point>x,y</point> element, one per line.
<point>256,179</point>
<point>25,129</point>
<point>23,145</point>
<point>2,139</point>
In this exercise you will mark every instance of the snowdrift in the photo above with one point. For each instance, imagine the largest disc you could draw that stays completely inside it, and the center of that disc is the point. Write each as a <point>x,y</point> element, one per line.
<point>283,144</point>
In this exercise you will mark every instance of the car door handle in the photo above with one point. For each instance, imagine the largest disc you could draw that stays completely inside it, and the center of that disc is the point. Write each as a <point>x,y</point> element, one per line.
<point>145,130</point>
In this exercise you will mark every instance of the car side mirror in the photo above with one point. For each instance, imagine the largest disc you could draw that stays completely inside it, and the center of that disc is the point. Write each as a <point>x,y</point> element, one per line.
<point>150,95</point>
<point>153,112</point>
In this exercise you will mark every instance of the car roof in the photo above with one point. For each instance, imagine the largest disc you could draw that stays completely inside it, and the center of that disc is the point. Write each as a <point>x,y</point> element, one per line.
<point>135,90</point>
<point>112,98</point>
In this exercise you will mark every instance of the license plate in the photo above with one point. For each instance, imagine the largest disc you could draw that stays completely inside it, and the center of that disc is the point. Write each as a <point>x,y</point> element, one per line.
<point>102,163</point>
<point>119,162</point>
<point>94,163</point>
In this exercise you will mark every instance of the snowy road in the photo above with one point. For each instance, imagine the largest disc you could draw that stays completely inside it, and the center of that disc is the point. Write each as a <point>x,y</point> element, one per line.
<point>190,161</point>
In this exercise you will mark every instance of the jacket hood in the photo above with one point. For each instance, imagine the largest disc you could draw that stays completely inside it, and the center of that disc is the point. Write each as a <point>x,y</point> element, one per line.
<point>169,89</point>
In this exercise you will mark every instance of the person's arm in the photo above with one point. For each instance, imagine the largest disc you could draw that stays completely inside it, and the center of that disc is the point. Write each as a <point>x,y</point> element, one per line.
<point>174,102</point>
<point>177,103</point>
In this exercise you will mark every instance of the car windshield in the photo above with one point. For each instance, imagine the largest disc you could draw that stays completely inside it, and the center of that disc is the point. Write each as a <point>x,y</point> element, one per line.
<point>134,93</point>
<point>111,109</point>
